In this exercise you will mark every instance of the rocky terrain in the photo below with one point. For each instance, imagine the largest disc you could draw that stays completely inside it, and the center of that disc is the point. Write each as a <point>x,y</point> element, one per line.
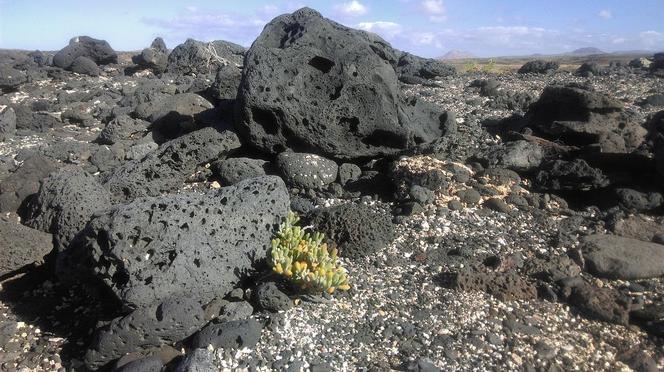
<point>486,221</point>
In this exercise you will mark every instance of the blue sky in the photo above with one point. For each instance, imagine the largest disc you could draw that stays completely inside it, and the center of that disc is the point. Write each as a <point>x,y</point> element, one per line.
<point>425,27</point>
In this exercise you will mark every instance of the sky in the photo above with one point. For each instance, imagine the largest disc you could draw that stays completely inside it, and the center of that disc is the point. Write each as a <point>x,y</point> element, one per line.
<point>428,28</point>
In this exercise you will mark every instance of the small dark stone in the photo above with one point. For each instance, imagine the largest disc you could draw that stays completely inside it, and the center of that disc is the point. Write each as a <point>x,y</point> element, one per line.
<point>270,298</point>
<point>497,205</point>
<point>235,334</point>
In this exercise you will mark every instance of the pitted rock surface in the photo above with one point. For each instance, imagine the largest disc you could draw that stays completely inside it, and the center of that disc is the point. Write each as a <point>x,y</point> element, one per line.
<point>197,244</point>
<point>165,169</point>
<point>313,85</point>
<point>65,202</point>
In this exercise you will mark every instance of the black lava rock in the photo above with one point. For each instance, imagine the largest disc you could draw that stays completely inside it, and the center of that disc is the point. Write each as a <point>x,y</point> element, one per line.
<point>235,334</point>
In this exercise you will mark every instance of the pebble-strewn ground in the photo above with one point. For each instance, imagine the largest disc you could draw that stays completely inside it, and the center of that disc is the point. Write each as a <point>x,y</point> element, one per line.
<point>398,313</point>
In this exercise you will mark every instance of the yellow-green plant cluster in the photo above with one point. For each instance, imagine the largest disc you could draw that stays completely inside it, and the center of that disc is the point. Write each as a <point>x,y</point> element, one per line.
<point>303,258</point>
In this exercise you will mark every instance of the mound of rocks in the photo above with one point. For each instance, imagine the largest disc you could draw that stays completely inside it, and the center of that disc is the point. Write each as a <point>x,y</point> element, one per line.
<point>197,57</point>
<point>195,244</point>
<point>344,78</point>
<point>657,65</point>
<point>97,51</point>
<point>539,67</point>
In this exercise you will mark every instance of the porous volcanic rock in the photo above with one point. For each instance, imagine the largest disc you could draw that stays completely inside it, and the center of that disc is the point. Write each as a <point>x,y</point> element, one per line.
<point>313,85</point>
<point>177,114</point>
<point>11,78</point>
<point>306,170</point>
<point>504,286</point>
<point>197,57</point>
<point>24,182</point>
<point>617,257</point>
<point>7,123</point>
<point>233,170</point>
<point>164,322</point>
<point>99,51</point>
<point>65,202</point>
<point>84,65</point>
<point>357,230</point>
<point>578,116</point>
<point>538,67</point>
<point>165,169</point>
<point>197,244</point>
<point>21,246</point>
<point>236,334</point>
<point>155,57</point>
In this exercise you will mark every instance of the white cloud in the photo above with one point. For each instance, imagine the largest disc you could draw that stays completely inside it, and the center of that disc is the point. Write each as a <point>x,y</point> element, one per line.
<point>352,9</point>
<point>651,39</point>
<point>605,13</point>
<point>435,9</point>
<point>386,29</point>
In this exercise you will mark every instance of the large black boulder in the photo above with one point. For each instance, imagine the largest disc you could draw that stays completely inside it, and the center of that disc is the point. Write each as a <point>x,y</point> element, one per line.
<point>414,69</point>
<point>155,57</point>
<point>85,66</point>
<point>165,169</point>
<point>11,78</point>
<point>24,182</point>
<point>99,51</point>
<point>313,85</point>
<point>191,243</point>
<point>65,202</point>
<point>197,57</point>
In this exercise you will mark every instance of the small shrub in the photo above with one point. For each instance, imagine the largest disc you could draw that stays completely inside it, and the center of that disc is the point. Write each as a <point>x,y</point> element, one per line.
<point>303,258</point>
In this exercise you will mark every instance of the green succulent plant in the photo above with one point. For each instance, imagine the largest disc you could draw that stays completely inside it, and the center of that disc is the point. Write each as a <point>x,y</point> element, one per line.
<point>303,258</point>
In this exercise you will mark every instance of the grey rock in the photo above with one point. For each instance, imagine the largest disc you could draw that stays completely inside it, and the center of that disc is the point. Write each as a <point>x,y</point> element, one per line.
<point>7,123</point>
<point>198,360</point>
<point>165,169</point>
<point>588,69</point>
<point>309,171</point>
<point>520,156</point>
<point>570,175</point>
<point>346,80</point>
<point>496,204</point>
<point>349,172</point>
<point>11,78</point>
<point>21,246</point>
<point>122,128</point>
<point>617,257</point>
<point>85,66</point>
<point>192,243</point>
<point>177,114</point>
<point>99,51</point>
<point>65,202</point>
<point>155,57</point>
<point>197,57</point>
<point>421,194</point>
<point>226,82</point>
<point>235,334</point>
<point>635,200</point>
<point>469,196</point>
<point>24,182</point>
<point>455,205</point>
<point>357,229</point>
<point>234,311</point>
<point>605,304</point>
<point>504,286</point>
<point>270,298</point>
<point>141,148</point>
<point>652,100</point>
<point>234,170</point>
<point>579,116</point>
<point>154,325</point>
<point>146,364</point>
<point>538,67</point>
<point>410,66</point>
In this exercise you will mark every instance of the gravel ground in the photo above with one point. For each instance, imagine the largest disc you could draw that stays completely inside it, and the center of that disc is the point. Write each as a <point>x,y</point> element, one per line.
<point>398,314</point>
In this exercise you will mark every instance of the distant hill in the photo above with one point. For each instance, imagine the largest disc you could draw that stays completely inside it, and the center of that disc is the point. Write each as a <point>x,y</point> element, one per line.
<point>586,51</point>
<point>457,54</point>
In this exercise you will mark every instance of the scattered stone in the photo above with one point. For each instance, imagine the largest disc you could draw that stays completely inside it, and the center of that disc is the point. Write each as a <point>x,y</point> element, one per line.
<point>84,65</point>
<point>197,57</point>
<point>270,298</point>
<point>84,46</point>
<point>233,170</point>
<point>615,257</point>
<point>306,170</point>
<point>349,172</point>
<point>497,204</point>
<point>7,123</point>
<point>504,286</point>
<point>21,246</point>
<point>538,67</point>
<point>356,229</point>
